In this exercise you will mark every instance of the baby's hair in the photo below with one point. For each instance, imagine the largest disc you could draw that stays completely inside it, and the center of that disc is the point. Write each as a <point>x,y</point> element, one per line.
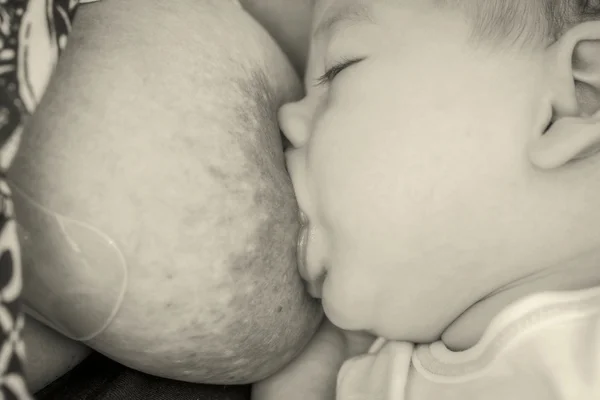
<point>524,21</point>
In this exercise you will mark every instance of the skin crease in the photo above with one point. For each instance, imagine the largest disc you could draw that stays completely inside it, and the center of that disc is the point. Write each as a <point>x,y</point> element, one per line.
<point>288,22</point>
<point>414,196</point>
<point>205,302</point>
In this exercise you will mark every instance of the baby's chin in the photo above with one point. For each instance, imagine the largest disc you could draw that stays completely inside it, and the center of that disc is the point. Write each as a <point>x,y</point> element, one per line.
<point>417,325</point>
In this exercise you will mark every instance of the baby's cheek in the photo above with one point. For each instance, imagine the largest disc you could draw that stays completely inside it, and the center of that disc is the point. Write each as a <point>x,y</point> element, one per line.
<point>344,303</point>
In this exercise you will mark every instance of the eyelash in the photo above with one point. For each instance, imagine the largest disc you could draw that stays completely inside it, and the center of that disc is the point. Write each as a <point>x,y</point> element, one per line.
<point>332,72</point>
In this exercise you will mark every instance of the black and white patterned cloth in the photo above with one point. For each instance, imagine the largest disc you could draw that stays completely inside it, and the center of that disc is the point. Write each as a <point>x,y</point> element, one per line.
<point>32,35</point>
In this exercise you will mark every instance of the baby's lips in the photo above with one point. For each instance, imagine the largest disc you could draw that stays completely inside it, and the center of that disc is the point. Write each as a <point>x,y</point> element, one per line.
<point>301,249</point>
<point>303,218</point>
<point>315,287</point>
<point>314,290</point>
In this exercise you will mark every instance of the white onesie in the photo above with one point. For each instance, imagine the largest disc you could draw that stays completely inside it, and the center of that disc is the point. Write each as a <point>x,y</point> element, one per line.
<point>546,346</point>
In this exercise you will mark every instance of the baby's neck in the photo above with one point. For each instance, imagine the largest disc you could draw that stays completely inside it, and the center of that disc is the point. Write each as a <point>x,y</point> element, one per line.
<point>469,327</point>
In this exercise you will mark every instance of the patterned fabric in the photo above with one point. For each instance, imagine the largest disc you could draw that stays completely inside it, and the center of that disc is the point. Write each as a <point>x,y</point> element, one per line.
<point>32,35</point>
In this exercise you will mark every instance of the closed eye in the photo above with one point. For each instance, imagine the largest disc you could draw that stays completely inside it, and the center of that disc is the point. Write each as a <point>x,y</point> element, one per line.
<point>332,72</point>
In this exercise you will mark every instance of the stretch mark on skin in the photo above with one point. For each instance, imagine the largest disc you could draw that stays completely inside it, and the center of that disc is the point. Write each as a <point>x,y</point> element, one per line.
<point>75,275</point>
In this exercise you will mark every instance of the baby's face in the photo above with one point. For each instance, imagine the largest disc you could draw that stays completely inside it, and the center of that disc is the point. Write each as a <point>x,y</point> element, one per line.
<point>409,163</point>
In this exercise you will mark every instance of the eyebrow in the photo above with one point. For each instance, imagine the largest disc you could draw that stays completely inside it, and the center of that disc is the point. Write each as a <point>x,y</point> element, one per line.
<point>352,12</point>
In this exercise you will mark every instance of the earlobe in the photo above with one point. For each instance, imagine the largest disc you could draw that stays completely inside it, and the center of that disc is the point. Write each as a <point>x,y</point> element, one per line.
<point>574,76</point>
<point>568,139</point>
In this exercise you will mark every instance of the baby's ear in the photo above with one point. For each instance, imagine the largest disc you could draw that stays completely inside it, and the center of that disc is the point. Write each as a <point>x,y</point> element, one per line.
<point>573,67</point>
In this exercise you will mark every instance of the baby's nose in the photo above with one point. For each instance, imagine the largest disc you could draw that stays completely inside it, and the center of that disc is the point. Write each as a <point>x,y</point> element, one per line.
<point>294,123</point>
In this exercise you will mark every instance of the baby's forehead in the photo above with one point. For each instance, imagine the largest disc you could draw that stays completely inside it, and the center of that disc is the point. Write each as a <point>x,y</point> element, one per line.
<point>329,12</point>
<point>330,15</point>
<point>513,20</point>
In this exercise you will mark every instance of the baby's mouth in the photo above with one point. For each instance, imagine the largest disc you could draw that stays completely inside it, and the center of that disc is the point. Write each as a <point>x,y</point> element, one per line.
<point>302,246</point>
<point>314,283</point>
<point>315,287</point>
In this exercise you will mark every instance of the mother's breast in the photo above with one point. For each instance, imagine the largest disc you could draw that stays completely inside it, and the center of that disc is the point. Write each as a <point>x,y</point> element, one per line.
<point>159,129</point>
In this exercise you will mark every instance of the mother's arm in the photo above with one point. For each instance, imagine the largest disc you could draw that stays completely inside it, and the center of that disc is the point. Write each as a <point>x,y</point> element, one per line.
<point>159,129</point>
<point>49,354</point>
